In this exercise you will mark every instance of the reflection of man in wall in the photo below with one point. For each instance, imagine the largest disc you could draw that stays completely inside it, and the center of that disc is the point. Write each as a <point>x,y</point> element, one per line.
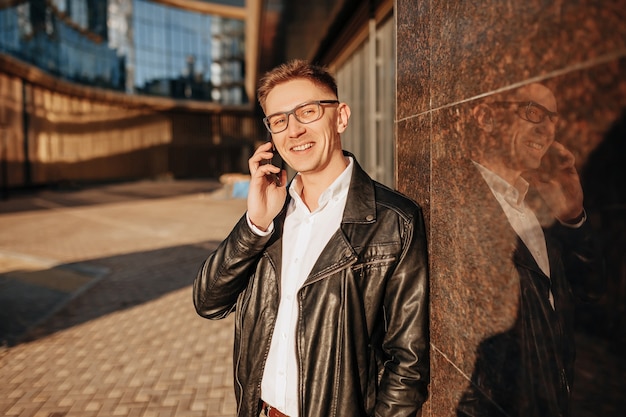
<point>528,370</point>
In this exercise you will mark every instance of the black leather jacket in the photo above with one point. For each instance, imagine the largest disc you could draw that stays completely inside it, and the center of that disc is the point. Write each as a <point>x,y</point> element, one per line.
<point>362,335</point>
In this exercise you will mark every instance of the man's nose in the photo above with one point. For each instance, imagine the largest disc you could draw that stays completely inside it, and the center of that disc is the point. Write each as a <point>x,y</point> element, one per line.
<point>293,124</point>
<point>546,126</point>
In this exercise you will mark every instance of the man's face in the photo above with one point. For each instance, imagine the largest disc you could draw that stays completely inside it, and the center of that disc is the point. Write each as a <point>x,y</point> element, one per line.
<point>526,126</point>
<point>307,147</point>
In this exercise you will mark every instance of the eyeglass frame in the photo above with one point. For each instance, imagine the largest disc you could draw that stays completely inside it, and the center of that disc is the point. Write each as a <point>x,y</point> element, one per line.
<point>293,111</point>
<point>527,105</point>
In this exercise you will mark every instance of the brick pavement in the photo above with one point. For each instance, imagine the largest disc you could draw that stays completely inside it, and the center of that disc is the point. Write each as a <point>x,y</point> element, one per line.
<point>130,344</point>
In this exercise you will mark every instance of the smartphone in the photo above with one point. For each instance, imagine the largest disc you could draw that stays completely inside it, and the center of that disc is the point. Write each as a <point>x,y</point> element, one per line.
<point>277,161</point>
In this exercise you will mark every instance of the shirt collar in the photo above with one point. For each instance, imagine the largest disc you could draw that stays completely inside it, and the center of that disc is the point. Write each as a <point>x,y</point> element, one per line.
<point>338,189</point>
<point>513,194</point>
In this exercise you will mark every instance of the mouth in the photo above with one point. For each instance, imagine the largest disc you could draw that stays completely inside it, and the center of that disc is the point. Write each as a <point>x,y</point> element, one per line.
<point>534,145</point>
<point>302,147</point>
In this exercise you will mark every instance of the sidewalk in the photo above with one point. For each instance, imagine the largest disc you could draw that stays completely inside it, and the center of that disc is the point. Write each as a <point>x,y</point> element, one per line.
<point>96,316</point>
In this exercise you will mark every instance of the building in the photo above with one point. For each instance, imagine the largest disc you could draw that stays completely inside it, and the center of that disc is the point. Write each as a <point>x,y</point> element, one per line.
<point>99,90</point>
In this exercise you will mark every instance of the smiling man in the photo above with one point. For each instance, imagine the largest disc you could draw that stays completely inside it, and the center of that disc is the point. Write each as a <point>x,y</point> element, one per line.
<point>548,254</point>
<point>518,129</point>
<point>327,274</point>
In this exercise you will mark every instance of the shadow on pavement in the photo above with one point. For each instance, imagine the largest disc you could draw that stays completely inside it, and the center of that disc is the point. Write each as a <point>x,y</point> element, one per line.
<point>74,195</point>
<point>30,293</point>
<point>41,302</point>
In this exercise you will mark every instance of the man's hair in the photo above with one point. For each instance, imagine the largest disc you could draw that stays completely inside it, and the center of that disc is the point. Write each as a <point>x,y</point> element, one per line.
<point>293,70</point>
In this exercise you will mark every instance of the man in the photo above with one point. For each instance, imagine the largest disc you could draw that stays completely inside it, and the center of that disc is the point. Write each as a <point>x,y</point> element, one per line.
<point>528,370</point>
<point>328,275</point>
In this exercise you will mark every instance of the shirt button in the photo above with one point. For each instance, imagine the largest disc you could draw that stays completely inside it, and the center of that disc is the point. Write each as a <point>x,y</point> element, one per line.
<point>369,218</point>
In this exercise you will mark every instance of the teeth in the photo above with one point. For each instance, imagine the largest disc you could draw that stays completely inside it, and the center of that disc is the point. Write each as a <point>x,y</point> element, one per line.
<point>534,145</point>
<point>302,147</point>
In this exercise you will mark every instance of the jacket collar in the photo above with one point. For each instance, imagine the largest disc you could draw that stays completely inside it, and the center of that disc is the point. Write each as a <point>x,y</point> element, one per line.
<point>361,203</point>
<point>360,209</point>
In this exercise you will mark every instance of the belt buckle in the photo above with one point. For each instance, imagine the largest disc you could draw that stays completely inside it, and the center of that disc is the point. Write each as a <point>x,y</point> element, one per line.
<point>269,410</point>
<point>266,408</point>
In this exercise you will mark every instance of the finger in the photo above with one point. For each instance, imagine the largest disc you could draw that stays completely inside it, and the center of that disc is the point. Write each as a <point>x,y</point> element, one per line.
<point>262,153</point>
<point>260,158</point>
<point>265,147</point>
<point>266,169</point>
<point>565,158</point>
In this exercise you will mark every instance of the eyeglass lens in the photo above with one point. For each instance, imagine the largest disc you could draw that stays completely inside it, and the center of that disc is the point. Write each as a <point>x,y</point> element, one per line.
<point>536,114</point>
<point>306,113</point>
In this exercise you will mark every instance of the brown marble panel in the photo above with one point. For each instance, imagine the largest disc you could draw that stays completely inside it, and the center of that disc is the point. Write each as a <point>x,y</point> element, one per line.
<point>446,386</point>
<point>413,57</point>
<point>479,47</point>
<point>476,303</point>
<point>474,296</point>
<point>413,156</point>
<point>472,54</point>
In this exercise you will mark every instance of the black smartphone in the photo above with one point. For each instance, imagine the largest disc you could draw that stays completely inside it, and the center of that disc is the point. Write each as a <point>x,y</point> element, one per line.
<point>277,161</point>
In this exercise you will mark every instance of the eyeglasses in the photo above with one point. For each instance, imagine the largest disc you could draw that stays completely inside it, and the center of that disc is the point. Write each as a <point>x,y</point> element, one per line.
<point>305,113</point>
<point>530,111</point>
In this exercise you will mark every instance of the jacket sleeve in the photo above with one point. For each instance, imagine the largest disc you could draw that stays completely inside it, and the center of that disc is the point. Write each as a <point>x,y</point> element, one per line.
<point>226,272</point>
<point>404,383</point>
<point>583,261</point>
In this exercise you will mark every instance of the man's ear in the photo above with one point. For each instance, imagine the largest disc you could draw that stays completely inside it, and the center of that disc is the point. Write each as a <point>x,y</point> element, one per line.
<point>483,114</point>
<point>343,114</point>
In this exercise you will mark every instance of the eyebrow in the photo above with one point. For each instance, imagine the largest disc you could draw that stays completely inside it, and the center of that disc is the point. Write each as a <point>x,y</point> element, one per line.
<point>324,101</point>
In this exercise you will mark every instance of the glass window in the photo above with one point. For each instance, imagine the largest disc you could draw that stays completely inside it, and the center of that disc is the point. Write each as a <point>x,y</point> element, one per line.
<point>371,133</point>
<point>137,46</point>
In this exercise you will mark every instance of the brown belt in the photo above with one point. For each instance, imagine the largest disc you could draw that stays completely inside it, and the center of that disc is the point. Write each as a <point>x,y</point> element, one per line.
<point>271,411</point>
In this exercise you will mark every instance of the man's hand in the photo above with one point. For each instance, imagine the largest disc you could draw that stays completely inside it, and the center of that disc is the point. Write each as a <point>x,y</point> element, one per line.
<point>265,198</point>
<point>558,183</point>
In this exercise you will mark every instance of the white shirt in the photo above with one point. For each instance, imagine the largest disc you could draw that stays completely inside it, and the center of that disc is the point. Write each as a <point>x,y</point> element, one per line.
<point>521,217</point>
<point>305,235</point>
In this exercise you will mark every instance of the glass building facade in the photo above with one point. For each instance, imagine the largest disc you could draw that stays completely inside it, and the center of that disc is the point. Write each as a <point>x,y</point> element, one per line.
<point>133,46</point>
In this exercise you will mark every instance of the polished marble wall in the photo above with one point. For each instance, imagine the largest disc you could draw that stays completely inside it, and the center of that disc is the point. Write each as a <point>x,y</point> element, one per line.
<point>466,74</point>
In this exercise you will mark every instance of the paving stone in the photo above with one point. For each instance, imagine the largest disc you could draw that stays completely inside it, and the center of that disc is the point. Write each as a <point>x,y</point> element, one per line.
<point>119,335</point>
